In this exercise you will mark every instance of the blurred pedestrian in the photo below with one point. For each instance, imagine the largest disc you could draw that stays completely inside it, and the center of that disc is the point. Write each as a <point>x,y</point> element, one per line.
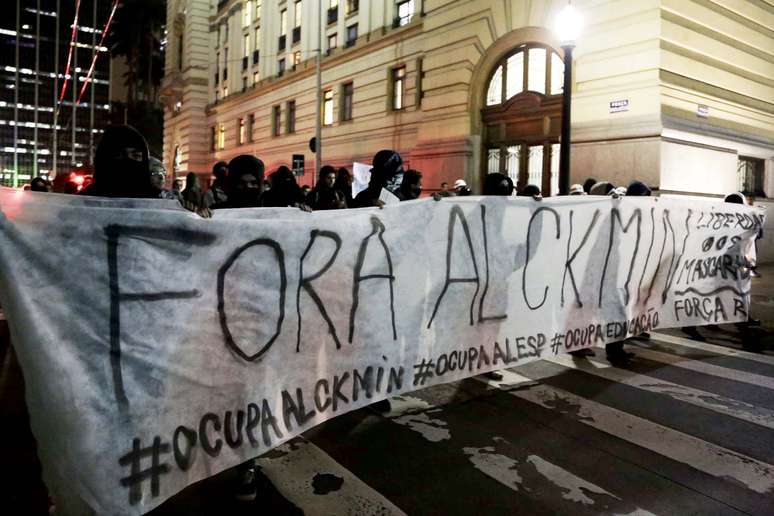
<point>411,186</point>
<point>498,184</point>
<point>325,196</point>
<point>244,183</point>
<point>344,185</point>
<point>284,191</point>
<point>40,184</point>
<point>386,172</point>
<point>121,165</point>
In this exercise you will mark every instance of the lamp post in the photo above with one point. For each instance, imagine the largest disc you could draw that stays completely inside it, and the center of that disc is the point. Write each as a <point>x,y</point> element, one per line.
<point>568,25</point>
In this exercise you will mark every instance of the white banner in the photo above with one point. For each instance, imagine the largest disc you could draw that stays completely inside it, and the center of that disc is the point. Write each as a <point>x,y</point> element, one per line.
<point>160,348</point>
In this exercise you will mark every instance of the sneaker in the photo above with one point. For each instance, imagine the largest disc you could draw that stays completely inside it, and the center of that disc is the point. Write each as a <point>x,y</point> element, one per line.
<point>248,489</point>
<point>585,352</point>
<point>693,333</point>
<point>493,375</point>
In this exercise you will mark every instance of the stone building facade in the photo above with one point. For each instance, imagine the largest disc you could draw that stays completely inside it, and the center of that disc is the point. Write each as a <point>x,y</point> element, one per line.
<point>678,93</point>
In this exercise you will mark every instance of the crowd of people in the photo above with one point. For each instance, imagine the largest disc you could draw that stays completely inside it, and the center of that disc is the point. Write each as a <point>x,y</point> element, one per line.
<point>124,168</point>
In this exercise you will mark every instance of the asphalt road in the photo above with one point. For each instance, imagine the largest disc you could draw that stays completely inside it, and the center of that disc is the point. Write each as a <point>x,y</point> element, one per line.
<point>685,428</point>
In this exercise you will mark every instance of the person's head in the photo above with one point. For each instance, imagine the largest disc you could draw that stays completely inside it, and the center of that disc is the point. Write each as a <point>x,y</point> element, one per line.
<point>498,184</point>
<point>343,178</point>
<point>530,191</point>
<point>121,164</point>
<point>460,185</point>
<point>245,180</point>
<point>192,181</point>
<point>577,189</point>
<point>588,184</point>
<point>305,189</point>
<point>602,188</point>
<point>735,198</point>
<point>220,171</point>
<point>444,186</point>
<point>327,177</point>
<point>40,184</point>
<point>638,189</point>
<point>387,170</point>
<point>158,174</point>
<point>411,187</point>
<point>177,184</point>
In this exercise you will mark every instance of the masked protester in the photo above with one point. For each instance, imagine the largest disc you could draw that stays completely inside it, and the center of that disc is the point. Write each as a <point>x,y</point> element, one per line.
<point>386,172</point>
<point>325,196</point>
<point>530,191</point>
<point>244,184</point>
<point>158,178</point>
<point>498,184</point>
<point>40,184</point>
<point>284,191</point>
<point>121,165</point>
<point>217,192</point>
<point>411,186</point>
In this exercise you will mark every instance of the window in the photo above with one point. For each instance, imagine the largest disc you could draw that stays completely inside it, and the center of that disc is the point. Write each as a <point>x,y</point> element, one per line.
<point>225,33</point>
<point>398,87</point>
<point>333,11</point>
<point>290,117</point>
<point>281,67</point>
<point>225,91</point>
<point>530,68</point>
<point>246,45</point>
<point>275,120</point>
<point>250,126</point>
<point>352,6</point>
<point>217,68</point>
<point>256,77</point>
<point>332,42</point>
<point>283,22</point>
<point>244,83</point>
<point>750,176</point>
<point>328,107</point>
<point>257,10</point>
<point>257,38</point>
<point>221,136</point>
<point>213,138</point>
<point>296,58</point>
<point>347,91</point>
<point>180,51</point>
<point>241,131</point>
<point>247,14</point>
<point>405,12</point>
<point>297,14</point>
<point>351,35</point>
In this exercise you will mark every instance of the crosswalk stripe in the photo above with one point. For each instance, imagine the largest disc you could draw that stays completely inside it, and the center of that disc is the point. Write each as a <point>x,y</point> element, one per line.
<point>712,459</point>
<point>706,368</point>
<point>715,402</point>
<point>317,484</point>
<point>706,346</point>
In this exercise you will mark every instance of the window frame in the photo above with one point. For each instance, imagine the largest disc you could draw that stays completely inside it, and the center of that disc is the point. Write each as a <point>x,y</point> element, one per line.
<point>290,117</point>
<point>327,99</point>
<point>398,79</point>
<point>548,73</point>
<point>347,96</point>
<point>276,120</point>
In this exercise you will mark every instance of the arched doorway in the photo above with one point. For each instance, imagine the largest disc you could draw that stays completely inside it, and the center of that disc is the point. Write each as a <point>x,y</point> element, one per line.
<point>521,116</point>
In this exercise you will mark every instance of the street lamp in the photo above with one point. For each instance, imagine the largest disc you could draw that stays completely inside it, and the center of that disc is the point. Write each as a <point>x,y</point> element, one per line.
<point>568,25</point>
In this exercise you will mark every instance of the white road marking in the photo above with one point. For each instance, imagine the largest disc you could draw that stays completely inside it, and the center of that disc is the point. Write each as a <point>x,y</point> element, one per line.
<point>434,430</point>
<point>706,346</point>
<point>694,452</point>
<point>703,367</point>
<point>305,468</point>
<point>715,402</point>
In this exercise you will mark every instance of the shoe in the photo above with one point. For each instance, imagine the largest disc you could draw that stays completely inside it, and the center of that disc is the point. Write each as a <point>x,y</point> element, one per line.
<point>693,333</point>
<point>753,322</point>
<point>493,375</point>
<point>248,488</point>
<point>585,352</point>
<point>754,273</point>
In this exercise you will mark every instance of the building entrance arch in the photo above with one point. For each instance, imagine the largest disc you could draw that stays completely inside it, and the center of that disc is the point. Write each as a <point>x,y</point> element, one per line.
<point>518,102</point>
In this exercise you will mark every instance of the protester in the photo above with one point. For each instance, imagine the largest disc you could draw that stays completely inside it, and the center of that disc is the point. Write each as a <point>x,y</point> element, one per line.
<point>750,200</point>
<point>177,187</point>
<point>444,191</point>
<point>602,188</point>
<point>217,192</point>
<point>530,191</point>
<point>498,184</point>
<point>461,188</point>
<point>588,184</point>
<point>344,185</point>
<point>193,196</point>
<point>577,189</point>
<point>121,165</point>
<point>325,196</point>
<point>40,184</point>
<point>411,186</point>
<point>386,172</point>
<point>284,191</point>
<point>158,178</point>
<point>244,183</point>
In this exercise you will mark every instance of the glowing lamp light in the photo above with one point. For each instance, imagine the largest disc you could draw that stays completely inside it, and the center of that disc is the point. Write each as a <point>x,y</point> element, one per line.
<point>568,25</point>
